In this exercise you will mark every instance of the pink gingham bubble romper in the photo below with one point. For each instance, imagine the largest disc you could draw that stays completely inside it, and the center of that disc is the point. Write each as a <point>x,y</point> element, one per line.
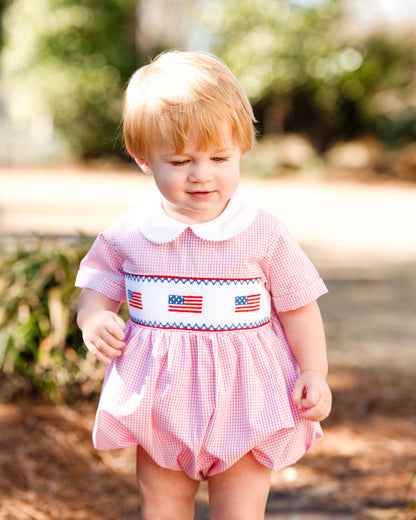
<point>207,374</point>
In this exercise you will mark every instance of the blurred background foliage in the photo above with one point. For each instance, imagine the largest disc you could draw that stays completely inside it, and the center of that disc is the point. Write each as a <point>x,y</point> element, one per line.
<point>65,65</point>
<point>305,72</point>
<point>41,348</point>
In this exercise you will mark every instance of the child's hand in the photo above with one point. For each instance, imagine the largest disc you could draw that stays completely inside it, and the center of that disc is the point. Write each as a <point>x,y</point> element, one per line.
<point>103,335</point>
<point>311,393</point>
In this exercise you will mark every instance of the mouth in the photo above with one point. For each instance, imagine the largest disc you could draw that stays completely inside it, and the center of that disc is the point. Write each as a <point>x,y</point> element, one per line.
<point>201,194</point>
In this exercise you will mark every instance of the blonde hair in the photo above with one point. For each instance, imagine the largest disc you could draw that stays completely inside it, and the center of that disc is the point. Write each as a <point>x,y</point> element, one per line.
<point>182,92</point>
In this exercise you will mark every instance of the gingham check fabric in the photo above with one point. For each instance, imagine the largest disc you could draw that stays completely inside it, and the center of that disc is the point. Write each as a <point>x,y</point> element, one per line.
<point>198,400</point>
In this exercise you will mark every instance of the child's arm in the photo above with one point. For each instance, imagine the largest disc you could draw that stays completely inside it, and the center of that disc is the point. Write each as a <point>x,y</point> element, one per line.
<point>102,329</point>
<point>305,333</point>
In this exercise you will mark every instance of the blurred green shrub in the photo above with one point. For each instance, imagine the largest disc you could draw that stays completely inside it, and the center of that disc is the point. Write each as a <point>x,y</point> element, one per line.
<point>387,79</point>
<point>41,348</point>
<point>65,65</point>
<point>269,43</point>
<point>303,76</point>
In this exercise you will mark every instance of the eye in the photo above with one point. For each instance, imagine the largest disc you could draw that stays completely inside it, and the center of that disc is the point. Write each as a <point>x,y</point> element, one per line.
<point>179,163</point>
<point>219,159</point>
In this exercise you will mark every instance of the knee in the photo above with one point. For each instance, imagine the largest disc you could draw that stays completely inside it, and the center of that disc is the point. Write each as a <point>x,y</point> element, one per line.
<point>153,514</point>
<point>171,502</point>
<point>166,509</point>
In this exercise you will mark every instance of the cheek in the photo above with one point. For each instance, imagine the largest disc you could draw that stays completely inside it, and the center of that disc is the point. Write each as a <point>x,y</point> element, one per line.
<point>166,183</point>
<point>233,178</point>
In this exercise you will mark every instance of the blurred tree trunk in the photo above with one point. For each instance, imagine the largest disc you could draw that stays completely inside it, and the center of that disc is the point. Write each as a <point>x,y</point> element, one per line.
<point>276,114</point>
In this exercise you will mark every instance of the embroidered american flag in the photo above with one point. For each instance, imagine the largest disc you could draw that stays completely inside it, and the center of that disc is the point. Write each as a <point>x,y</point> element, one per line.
<point>179,303</point>
<point>247,303</point>
<point>135,299</point>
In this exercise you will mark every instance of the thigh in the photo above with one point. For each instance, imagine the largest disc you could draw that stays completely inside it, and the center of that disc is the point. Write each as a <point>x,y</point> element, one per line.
<point>164,494</point>
<point>240,493</point>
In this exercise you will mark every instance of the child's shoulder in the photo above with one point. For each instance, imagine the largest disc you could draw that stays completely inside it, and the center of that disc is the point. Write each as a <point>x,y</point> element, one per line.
<point>269,223</point>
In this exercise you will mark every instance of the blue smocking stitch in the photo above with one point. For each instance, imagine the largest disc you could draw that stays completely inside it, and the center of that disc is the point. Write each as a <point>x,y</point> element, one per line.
<point>190,326</point>
<point>198,281</point>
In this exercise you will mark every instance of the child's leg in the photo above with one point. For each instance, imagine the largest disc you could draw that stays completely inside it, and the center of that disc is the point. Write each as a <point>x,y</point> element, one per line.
<point>165,494</point>
<point>240,493</point>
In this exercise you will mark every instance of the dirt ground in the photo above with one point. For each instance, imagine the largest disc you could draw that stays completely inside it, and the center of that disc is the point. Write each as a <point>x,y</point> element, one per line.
<point>365,468</point>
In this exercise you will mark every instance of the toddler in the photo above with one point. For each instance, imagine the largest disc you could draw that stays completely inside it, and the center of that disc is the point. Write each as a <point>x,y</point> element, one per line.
<point>220,372</point>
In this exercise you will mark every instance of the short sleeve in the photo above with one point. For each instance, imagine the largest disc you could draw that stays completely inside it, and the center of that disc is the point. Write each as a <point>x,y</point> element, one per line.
<point>102,270</point>
<point>293,281</point>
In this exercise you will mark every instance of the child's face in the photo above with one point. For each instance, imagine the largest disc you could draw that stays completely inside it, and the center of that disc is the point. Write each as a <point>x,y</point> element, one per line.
<point>196,184</point>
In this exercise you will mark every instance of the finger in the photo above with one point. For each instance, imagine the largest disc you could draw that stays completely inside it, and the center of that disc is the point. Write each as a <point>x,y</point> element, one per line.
<point>102,358</point>
<point>103,351</point>
<point>297,394</point>
<point>109,339</point>
<point>310,398</point>
<point>111,349</point>
<point>99,355</point>
<point>314,414</point>
<point>116,327</point>
<point>319,412</point>
<point>311,415</point>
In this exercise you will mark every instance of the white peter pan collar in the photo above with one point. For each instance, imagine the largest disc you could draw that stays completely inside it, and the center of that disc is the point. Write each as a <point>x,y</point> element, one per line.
<point>158,227</point>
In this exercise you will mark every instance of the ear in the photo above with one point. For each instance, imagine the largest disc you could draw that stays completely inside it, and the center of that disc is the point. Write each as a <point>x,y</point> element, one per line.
<point>144,166</point>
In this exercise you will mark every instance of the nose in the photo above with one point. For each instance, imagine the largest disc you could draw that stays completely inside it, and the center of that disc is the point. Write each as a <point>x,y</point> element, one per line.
<point>200,173</point>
